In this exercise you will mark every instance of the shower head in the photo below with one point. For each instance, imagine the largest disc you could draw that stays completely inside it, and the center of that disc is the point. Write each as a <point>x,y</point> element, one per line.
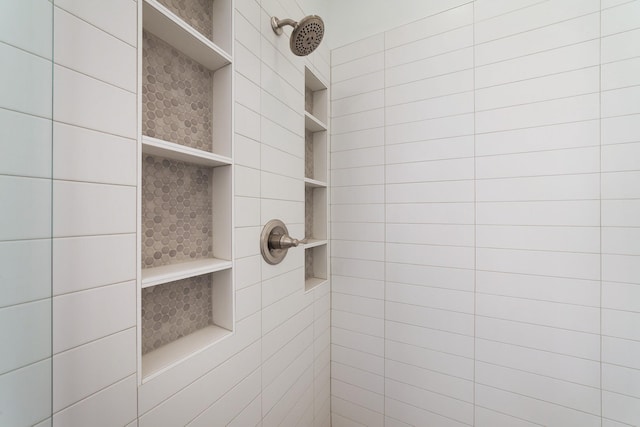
<point>306,35</point>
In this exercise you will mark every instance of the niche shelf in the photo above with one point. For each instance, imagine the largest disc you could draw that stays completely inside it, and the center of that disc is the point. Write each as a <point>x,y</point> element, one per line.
<point>186,100</point>
<point>315,181</point>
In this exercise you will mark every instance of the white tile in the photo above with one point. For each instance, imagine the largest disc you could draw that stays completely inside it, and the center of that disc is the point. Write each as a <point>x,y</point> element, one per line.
<point>617,130</point>
<point>621,380</point>
<point>25,143</point>
<point>550,137</point>
<point>356,377</point>
<point>531,18</point>
<point>357,305</point>
<point>441,256</point>
<point>621,352</point>
<point>622,213</point>
<point>434,339</point>
<point>119,18</point>
<point>548,188</point>
<point>360,139</point>
<point>373,251</point>
<point>81,317</point>
<point>570,395</point>
<point>619,102</point>
<point>357,213</point>
<point>283,114</point>
<point>281,138</point>
<point>545,63</point>
<point>283,310</point>
<point>438,213</point>
<point>247,271</point>
<point>559,264</point>
<point>247,122</point>
<point>621,157</point>
<point>369,400</point>
<point>370,194</point>
<point>115,405</point>
<point>438,149</point>
<point>25,212</point>
<point>430,46</point>
<point>358,176</point>
<point>88,262</point>
<point>552,365</point>
<point>488,418</point>
<point>361,324</point>
<point>430,297</point>
<point>251,415</point>
<point>423,130</point>
<point>621,185</point>
<point>89,209</point>
<point>621,324</point>
<point>84,48</point>
<point>430,26</point>
<point>538,411</point>
<point>247,211</point>
<point>567,213</point>
<point>548,37</point>
<point>247,182</point>
<point>364,47</point>
<point>583,107</point>
<point>247,63</point>
<point>357,85</point>
<point>444,320</point>
<point>564,239</point>
<point>92,367</point>
<point>447,84</point>
<point>81,154</point>
<point>277,364</point>
<point>287,405</point>
<point>447,105</point>
<point>345,412</point>
<point>621,268</point>
<point>280,187</point>
<point>446,191</point>
<point>31,82</point>
<point>247,93</point>
<point>461,367</point>
<point>413,415</point>
<point>357,359</point>
<point>357,67</point>
<point>446,63</point>
<point>554,289</point>
<point>620,407</point>
<point>357,341</point>
<point>247,152</point>
<point>358,268</point>
<point>287,211</point>
<point>429,401</point>
<point>356,286</point>
<point>245,31</point>
<point>620,46</point>
<point>26,271</point>
<point>621,74</point>
<point>28,26</point>
<point>357,158</point>
<point>25,394</point>
<point>358,103</point>
<point>433,170</point>
<point>279,87</point>
<point>621,240</point>
<point>26,332</point>
<point>562,85</point>
<point>247,241</point>
<point>570,343</point>
<point>621,18</point>
<point>430,234</point>
<point>73,103</point>
<point>366,232</point>
<point>358,121</point>
<point>485,9</point>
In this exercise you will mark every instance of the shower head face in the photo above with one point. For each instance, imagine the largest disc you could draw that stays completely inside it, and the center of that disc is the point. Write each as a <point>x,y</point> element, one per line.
<point>307,35</point>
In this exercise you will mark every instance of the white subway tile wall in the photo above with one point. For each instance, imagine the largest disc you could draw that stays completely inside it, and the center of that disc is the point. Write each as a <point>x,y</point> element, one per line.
<point>485,205</point>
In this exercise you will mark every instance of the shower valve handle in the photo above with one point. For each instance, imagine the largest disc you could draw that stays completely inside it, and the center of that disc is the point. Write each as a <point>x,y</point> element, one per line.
<point>284,241</point>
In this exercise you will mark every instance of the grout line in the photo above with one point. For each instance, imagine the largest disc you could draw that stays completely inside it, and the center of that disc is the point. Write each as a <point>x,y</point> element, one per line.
<point>600,202</point>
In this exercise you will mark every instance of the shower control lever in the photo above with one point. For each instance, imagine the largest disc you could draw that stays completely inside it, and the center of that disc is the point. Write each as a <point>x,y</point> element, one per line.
<point>275,241</point>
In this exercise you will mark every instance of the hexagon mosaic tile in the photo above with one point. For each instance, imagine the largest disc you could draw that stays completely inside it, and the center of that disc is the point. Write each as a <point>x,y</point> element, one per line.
<point>308,212</point>
<point>308,264</point>
<point>176,96</point>
<point>197,13</point>
<point>176,212</point>
<point>308,154</point>
<point>173,310</point>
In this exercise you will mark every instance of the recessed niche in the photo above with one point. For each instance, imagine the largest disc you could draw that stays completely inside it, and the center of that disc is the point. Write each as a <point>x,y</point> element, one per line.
<point>176,96</point>
<point>177,212</point>
<point>196,13</point>
<point>315,213</point>
<point>315,266</point>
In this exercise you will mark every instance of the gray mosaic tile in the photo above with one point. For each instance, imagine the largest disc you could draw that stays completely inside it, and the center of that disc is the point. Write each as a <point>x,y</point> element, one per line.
<point>308,264</point>
<point>176,96</point>
<point>173,310</point>
<point>308,100</point>
<point>308,212</point>
<point>196,13</point>
<point>176,212</point>
<point>308,154</point>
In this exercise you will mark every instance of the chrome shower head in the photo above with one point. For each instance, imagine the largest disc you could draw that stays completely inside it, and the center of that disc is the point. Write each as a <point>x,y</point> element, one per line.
<point>306,35</point>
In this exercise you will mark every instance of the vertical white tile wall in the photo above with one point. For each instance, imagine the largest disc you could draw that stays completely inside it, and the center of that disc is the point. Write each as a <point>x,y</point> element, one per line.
<point>484,218</point>
<point>94,213</point>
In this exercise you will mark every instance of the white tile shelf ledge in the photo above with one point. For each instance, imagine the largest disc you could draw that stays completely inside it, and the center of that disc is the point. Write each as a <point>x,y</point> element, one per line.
<point>314,183</point>
<point>170,150</point>
<point>169,355</point>
<point>312,123</point>
<point>312,243</point>
<point>313,282</point>
<point>170,273</point>
<point>166,25</point>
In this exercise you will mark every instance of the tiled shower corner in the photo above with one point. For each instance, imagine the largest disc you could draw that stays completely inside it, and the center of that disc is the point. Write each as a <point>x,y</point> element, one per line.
<point>176,212</point>
<point>196,13</point>
<point>176,96</point>
<point>174,310</point>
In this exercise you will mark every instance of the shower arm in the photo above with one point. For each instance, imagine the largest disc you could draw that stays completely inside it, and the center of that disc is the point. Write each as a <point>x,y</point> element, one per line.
<point>277,24</point>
